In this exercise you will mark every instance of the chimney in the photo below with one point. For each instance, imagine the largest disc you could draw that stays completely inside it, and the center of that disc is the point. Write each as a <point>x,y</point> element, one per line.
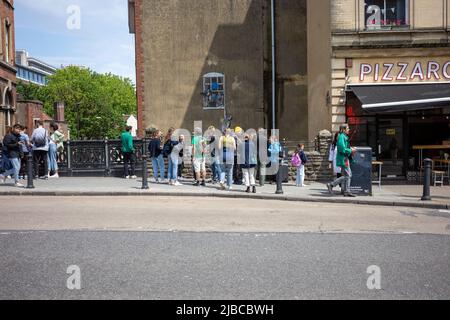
<point>59,112</point>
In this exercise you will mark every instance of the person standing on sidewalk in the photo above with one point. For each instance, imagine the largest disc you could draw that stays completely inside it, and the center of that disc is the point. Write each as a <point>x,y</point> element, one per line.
<point>56,145</point>
<point>155,148</point>
<point>343,160</point>
<point>14,146</point>
<point>176,157</point>
<point>215,162</point>
<point>40,140</point>
<point>198,154</point>
<point>227,147</point>
<point>249,165</point>
<point>26,149</point>
<point>128,153</point>
<point>299,160</point>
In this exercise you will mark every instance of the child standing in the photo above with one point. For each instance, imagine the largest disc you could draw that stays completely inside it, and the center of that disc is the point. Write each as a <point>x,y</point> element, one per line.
<point>299,160</point>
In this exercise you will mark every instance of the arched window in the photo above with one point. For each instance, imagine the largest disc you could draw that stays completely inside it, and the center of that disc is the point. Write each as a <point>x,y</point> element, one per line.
<point>214,91</point>
<point>7,41</point>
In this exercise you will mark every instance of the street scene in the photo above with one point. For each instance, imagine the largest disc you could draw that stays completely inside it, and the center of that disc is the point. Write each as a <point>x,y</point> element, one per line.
<point>225,150</point>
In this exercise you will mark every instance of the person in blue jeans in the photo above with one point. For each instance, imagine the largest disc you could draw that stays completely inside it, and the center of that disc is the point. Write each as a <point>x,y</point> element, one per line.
<point>155,149</point>
<point>215,161</point>
<point>13,144</point>
<point>227,145</point>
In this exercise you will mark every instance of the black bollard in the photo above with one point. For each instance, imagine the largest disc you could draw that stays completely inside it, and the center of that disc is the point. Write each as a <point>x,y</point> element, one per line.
<point>427,181</point>
<point>30,169</point>
<point>279,182</point>
<point>144,173</point>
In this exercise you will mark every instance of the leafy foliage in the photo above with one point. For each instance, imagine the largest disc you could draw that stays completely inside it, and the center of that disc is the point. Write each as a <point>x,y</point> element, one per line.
<point>94,103</point>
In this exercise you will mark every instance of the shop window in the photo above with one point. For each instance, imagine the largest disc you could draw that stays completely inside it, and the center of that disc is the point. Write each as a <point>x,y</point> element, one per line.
<point>213,91</point>
<point>386,14</point>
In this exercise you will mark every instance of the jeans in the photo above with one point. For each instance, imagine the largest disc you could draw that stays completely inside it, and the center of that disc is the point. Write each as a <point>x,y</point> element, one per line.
<point>227,170</point>
<point>345,181</point>
<point>216,170</point>
<point>15,162</point>
<point>52,158</point>
<point>249,176</point>
<point>173,169</point>
<point>158,164</point>
<point>40,156</point>
<point>128,158</point>
<point>300,176</point>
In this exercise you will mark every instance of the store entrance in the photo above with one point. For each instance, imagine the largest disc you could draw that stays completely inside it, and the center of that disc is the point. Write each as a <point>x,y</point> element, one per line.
<point>391,146</point>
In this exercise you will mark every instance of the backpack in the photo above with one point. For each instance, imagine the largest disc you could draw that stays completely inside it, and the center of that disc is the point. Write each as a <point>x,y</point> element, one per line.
<point>296,161</point>
<point>40,143</point>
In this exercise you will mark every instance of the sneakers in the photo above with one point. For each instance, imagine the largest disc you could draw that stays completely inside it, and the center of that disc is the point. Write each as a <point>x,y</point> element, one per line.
<point>2,179</point>
<point>254,189</point>
<point>349,195</point>
<point>127,177</point>
<point>55,176</point>
<point>248,190</point>
<point>203,184</point>
<point>222,186</point>
<point>177,184</point>
<point>330,188</point>
<point>19,185</point>
<point>197,184</point>
<point>133,177</point>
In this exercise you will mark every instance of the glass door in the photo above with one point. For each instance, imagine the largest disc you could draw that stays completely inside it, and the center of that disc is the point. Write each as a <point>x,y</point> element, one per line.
<point>391,146</point>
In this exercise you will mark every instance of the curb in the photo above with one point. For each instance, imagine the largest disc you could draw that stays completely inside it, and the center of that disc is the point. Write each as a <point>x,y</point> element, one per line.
<point>356,201</point>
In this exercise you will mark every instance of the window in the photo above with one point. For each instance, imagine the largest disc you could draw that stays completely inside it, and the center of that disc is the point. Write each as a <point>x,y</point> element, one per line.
<point>386,14</point>
<point>214,91</point>
<point>7,40</point>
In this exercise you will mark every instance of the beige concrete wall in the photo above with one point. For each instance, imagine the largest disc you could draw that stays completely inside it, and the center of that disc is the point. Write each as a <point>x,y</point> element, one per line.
<point>319,67</point>
<point>428,14</point>
<point>183,40</point>
<point>292,69</point>
<point>343,15</point>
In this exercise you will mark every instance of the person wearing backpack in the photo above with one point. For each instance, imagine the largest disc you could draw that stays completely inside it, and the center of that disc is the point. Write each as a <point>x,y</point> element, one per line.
<point>40,140</point>
<point>14,146</point>
<point>299,159</point>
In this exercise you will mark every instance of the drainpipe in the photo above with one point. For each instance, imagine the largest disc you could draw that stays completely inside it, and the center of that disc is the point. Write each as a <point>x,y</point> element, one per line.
<point>273,66</point>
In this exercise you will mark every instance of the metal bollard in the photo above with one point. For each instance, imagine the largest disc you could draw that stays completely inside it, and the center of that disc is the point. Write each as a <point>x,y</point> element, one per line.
<point>144,173</point>
<point>279,181</point>
<point>427,181</point>
<point>262,174</point>
<point>30,169</point>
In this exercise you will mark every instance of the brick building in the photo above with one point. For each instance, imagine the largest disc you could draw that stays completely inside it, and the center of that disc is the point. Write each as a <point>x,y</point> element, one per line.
<point>391,77</point>
<point>7,68</point>
<point>205,59</point>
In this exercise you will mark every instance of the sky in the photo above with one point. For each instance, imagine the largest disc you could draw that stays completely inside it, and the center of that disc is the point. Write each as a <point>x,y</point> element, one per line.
<point>90,33</point>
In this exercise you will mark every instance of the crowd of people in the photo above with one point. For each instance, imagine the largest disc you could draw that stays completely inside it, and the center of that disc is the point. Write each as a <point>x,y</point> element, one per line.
<point>233,156</point>
<point>44,146</point>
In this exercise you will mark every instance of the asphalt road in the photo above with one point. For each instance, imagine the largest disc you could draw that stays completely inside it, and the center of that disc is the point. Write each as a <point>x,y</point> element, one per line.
<point>153,265</point>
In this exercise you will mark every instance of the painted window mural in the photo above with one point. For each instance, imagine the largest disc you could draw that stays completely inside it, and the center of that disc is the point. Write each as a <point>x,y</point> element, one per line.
<point>214,91</point>
<point>386,14</point>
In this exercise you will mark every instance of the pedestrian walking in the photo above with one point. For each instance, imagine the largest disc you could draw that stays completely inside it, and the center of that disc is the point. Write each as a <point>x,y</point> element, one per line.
<point>13,145</point>
<point>337,171</point>
<point>343,160</point>
<point>227,146</point>
<point>198,156</point>
<point>249,164</point>
<point>128,152</point>
<point>274,150</point>
<point>155,148</point>
<point>40,140</point>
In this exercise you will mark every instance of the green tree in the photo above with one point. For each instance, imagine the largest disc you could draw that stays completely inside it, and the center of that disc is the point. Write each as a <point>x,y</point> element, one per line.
<point>94,103</point>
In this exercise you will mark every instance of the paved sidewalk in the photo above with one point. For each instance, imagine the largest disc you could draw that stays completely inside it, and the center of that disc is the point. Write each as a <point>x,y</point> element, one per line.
<point>397,195</point>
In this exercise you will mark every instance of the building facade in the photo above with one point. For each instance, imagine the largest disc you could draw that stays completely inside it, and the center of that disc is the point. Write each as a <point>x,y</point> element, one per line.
<point>206,60</point>
<point>391,77</point>
<point>7,68</point>
<point>32,70</point>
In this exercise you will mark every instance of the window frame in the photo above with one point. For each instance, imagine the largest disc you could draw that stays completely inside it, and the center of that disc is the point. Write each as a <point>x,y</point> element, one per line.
<point>207,91</point>
<point>391,27</point>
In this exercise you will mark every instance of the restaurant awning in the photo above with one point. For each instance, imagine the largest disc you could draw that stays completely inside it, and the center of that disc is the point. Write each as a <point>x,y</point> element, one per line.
<point>377,98</point>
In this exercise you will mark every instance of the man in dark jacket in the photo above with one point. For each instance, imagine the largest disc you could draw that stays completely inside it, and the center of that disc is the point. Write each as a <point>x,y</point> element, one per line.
<point>13,144</point>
